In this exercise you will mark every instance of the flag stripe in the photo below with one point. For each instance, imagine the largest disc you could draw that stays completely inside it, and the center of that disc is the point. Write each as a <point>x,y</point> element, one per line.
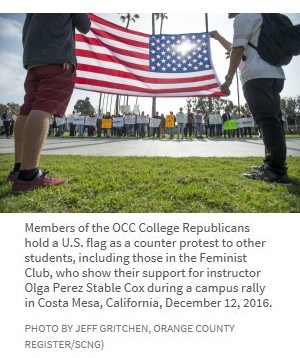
<point>107,56</point>
<point>113,59</point>
<point>118,49</point>
<point>96,20</point>
<point>96,70</point>
<point>147,89</point>
<point>117,88</point>
<point>121,39</point>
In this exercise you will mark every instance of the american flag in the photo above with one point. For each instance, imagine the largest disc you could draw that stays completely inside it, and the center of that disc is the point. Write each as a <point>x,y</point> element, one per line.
<point>116,60</point>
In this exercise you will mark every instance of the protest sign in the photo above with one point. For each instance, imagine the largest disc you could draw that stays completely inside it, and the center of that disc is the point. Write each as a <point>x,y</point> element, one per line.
<point>106,123</point>
<point>142,119</point>
<point>229,125</point>
<point>247,122</point>
<point>129,119</point>
<point>118,122</point>
<point>170,121</point>
<point>60,121</point>
<point>78,120</point>
<point>154,122</point>
<point>90,121</point>
<point>125,109</point>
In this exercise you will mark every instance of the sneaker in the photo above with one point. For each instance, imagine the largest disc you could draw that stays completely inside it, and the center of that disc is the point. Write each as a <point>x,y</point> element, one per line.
<point>12,176</point>
<point>268,176</point>
<point>259,167</point>
<point>21,186</point>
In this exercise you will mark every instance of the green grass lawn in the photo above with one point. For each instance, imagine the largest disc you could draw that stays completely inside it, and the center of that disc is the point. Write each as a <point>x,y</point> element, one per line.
<point>152,185</point>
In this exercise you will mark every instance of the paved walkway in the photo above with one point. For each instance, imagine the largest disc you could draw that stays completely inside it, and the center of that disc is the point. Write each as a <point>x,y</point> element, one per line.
<point>155,147</point>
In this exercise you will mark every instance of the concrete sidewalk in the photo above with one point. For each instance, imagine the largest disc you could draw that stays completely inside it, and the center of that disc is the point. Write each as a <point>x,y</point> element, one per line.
<point>155,147</point>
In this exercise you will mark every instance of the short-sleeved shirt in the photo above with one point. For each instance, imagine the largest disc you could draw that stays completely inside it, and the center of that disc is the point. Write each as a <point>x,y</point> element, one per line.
<point>198,118</point>
<point>247,28</point>
<point>181,117</point>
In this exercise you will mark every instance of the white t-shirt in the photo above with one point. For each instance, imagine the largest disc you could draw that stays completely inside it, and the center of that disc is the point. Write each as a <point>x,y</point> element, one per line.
<point>181,117</point>
<point>247,28</point>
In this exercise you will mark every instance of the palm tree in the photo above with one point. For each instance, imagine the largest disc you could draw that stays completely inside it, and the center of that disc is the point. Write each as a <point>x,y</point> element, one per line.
<point>161,16</point>
<point>125,18</point>
<point>129,18</point>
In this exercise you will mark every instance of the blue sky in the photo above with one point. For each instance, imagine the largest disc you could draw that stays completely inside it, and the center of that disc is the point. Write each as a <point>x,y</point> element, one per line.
<point>13,74</point>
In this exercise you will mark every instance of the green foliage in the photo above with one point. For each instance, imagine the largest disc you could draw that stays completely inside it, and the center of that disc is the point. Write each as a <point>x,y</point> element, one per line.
<point>84,107</point>
<point>15,108</point>
<point>202,103</point>
<point>151,185</point>
<point>290,106</point>
<point>127,18</point>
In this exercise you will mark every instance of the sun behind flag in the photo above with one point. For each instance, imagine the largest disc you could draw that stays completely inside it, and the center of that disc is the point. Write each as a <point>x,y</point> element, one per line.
<point>179,53</point>
<point>116,60</point>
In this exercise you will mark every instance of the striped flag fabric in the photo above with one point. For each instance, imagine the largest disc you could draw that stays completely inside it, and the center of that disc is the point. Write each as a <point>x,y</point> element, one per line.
<point>113,59</point>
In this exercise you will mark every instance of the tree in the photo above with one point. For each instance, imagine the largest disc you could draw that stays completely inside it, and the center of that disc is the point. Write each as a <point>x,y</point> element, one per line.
<point>290,107</point>
<point>84,107</point>
<point>15,108</point>
<point>204,103</point>
<point>127,18</point>
<point>162,17</point>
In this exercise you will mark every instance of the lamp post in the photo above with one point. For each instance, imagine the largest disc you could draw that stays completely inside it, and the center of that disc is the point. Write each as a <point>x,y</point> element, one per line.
<point>206,29</point>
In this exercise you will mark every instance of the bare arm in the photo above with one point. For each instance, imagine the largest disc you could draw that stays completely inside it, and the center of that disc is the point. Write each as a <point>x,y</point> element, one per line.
<point>235,59</point>
<point>226,44</point>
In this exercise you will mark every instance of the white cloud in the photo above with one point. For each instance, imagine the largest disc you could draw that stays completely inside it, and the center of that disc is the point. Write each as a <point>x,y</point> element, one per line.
<point>10,29</point>
<point>12,78</point>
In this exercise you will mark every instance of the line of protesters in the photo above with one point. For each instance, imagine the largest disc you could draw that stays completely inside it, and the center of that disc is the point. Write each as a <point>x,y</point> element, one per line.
<point>180,125</point>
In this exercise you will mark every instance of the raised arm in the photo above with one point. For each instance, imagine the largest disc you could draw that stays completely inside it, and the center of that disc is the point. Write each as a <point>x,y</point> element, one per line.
<point>226,44</point>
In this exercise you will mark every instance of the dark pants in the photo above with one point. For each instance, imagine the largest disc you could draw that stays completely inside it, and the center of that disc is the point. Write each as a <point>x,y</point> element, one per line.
<point>6,125</point>
<point>263,98</point>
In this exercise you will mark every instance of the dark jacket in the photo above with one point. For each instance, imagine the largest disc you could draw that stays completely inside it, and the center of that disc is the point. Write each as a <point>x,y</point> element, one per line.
<point>50,38</point>
<point>226,116</point>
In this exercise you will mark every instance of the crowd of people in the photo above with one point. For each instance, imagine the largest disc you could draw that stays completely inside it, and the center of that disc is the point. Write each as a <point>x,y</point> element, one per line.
<point>179,126</point>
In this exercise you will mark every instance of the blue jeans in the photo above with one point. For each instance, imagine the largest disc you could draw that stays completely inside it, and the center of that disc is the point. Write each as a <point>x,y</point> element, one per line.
<point>172,132</point>
<point>198,130</point>
<point>80,130</point>
<point>180,129</point>
<point>263,98</point>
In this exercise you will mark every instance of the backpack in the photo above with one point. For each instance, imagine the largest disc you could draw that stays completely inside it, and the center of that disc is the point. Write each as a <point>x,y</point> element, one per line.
<point>279,40</point>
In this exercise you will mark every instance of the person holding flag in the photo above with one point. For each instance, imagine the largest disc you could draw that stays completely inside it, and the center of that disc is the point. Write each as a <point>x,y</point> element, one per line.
<point>262,85</point>
<point>50,60</point>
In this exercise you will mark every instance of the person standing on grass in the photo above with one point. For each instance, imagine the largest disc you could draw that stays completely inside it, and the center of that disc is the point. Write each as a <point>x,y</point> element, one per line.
<point>172,128</point>
<point>206,124</point>
<point>181,119</point>
<point>162,126</point>
<point>156,130</point>
<point>262,84</point>
<point>247,130</point>
<point>198,124</point>
<point>50,60</point>
<point>190,123</point>
<point>225,117</point>
<point>7,119</point>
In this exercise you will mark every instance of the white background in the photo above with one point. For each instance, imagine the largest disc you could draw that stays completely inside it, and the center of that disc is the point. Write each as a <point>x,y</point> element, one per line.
<point>258,332</point>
